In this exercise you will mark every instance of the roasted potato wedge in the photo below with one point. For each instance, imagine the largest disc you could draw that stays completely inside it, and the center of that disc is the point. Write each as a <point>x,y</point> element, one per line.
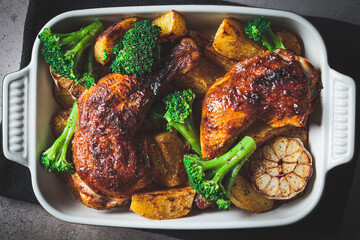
<point>262,132</point>
<point>224,62</point>
<point>63,97</point>
<point>167,156</point>
<point>163,204</point>
<point>201,78</point>
<point>59,121</point>
<point>244,196</point>
<point>230,41</point>
<point>66,91</point>
<point>106,40</point>
<point>290,41</point>
<point>298,132</point>
<point>173,26</point>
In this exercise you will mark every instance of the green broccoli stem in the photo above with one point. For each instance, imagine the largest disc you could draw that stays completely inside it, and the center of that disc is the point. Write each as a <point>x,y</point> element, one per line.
<point>78,49</point>
<point>228,161</point>
<point>234,172</point>
<point>187,130</point>
<point>89,67</point>
<point>73,37</point>
<point>57,152</point>
<point>67,133</point>
<point>271,41</point>
<point>70,128</point>
<point>86,41</point>
<point>244,148</point>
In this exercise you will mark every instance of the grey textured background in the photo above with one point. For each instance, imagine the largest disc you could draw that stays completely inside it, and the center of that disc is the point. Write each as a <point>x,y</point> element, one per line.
<point>21,220</point>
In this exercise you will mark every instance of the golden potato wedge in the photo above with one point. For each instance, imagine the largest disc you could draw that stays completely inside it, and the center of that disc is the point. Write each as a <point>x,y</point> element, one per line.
<point>201,78</point>
<point>167,157</point>
<point>63,97</point>
<point>263,133</point>
<point>173,26</point>
<point>230,41</point>
<point>106,40</point>
<point>59,121</point>
<point>224,62</point>
<point>298,132</point>
<point>163,204</point>
<point>66,91</point>
<point>244,196</point>
<point>290,41</point>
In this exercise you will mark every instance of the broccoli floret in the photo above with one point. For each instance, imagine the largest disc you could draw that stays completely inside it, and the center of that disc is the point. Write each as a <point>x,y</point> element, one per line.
<point>64,52</point>
<point>117,64</point>
<point>179,116</point>
<point>54,159</point>
<point>259,30</point>
<point>207,177</point>
<point>137,50</point>
<point>118,46</point>
<point>88,78</point>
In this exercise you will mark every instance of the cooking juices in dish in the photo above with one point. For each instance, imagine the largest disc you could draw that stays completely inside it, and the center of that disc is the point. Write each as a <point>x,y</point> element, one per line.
<point>122,155</point>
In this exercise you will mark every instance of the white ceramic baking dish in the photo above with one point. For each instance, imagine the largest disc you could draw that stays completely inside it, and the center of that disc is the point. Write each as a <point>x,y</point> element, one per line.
<point>29,105</point>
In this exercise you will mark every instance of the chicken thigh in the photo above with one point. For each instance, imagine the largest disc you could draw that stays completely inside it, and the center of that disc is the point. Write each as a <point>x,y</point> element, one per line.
<point>276,88</point>
<point>110,160</point>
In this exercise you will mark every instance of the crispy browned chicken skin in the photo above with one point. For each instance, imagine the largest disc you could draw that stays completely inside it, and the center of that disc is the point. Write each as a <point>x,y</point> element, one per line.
<point>110,161</point>
<point>276,87</point>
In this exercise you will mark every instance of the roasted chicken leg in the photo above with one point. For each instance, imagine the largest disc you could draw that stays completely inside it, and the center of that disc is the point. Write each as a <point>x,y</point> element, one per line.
<point>276,88</point>
<point>111,161</point>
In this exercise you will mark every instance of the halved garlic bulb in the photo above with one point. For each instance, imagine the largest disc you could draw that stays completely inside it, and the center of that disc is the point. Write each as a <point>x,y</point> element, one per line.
<point>281,169</point>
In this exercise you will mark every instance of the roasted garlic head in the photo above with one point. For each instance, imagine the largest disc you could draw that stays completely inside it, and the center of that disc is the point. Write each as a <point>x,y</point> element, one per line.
<point>281,168</point>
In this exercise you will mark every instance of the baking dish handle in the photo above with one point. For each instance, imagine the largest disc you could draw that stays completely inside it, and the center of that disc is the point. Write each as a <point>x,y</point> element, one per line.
<point>342,119</point>
<point>15,105</point>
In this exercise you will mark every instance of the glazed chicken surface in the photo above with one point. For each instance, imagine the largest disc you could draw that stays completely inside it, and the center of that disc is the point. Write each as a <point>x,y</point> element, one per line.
<point>110,158</point>
<point>276,88</point>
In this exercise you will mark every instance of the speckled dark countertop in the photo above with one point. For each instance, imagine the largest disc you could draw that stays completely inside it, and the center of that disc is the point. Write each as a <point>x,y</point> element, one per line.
<point>21,220</point>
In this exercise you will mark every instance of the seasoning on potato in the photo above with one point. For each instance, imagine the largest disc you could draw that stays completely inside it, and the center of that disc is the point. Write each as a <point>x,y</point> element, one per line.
<point>163,204</point>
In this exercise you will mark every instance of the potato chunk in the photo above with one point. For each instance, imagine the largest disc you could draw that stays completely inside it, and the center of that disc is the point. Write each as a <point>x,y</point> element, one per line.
<point>290,41</point>
<point>244,196</point>
<point>173,26</point>
<point>230,41</point>
<point>106,40</point>
<point>167,157</point>
<point>213,55</point>
<point>59,121</point>
<point>66,91</point>
<point>163,204</point>
<point>262,133</point>
<point>201,78</point>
